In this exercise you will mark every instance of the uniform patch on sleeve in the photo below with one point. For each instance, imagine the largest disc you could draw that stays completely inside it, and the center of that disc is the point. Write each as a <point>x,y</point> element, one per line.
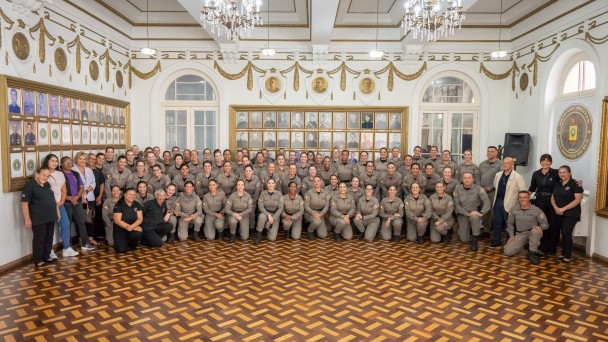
<point>542,216</point>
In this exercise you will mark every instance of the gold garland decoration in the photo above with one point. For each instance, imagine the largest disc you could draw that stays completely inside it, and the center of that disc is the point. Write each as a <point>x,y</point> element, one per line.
<point>248,70</point>
<point>296,68</point>
<point>535,60</point>
<point>392,70</point>
<point>597,41</point>
<point>140,74</point>
<point>343,68</point>
<point>44,33</point>
<point>79,48</point>
<point>7,19</point>
<point>108,59</point>
<point>511,72</point>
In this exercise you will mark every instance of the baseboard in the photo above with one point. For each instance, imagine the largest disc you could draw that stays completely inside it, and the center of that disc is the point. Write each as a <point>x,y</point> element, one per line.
<point>21,261</point>
<point>598,258</point>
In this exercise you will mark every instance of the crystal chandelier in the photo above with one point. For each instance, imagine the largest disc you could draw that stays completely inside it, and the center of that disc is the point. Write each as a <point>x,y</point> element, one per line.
<point>424,18</point>
<point>231,18</point>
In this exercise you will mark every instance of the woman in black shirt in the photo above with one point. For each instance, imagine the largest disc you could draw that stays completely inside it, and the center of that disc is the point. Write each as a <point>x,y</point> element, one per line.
<point>40,212</point>
<point>543,182</point>
<point>566,201</point>
<point>127,219</point>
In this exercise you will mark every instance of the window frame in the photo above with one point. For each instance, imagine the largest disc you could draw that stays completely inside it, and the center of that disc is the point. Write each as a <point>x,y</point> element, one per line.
<point>576,94</point>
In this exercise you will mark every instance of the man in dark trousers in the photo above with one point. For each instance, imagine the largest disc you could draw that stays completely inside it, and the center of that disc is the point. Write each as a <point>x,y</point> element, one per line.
<point>156,224</point>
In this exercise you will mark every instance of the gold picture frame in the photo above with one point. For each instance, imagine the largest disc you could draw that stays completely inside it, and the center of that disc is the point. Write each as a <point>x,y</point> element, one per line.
<point>601,202</point>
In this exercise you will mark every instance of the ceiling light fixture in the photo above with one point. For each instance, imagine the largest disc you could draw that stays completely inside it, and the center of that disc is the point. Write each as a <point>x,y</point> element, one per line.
<point>231,18</point>
<point>148,51</point>
<point>423,18</point>
<point>499,53</point>
<point>375,53</point>
<point>268,51</point>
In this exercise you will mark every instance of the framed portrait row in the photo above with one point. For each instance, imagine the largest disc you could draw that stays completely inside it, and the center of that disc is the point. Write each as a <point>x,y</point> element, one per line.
<point>366,120</point>
<point>31,103</point>
<point>354,156</point>
<point>40,118</point>
<point>271,139</point>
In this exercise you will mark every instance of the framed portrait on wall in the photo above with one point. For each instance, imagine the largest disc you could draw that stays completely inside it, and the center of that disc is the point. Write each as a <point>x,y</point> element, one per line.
<point>64,107</point>
<point>353,140</point>
<point>255,119</point>
<point>380,141</point>
<point>108,119</point>
<point>325,140</point>
<point>66,134</point>
<point>91,115</point>
<point>297,139</point>
<point>43,133</point>
<point>381,121</point>
<point>312,140</point>
<point>116,135</point>
<point>270,120</point>
<point>30,163</point>
<point>76,112</point>
<point>102,135</point>
<point>340,140</point>
<point>367,120</point>
<point>256,139</point>
<point>109,136</point>
<point>15,133</point>
<point>242,140</point>
<point>394,140</point>
<point>367,141</point>
<point>122,136</point>
<point>121,117</point>
<point>101,113</point>
<point>270,140</point>
<point>30,133</point>
<point>41,156</point>
<point>283,120</point>
<point>86,135</point>
<point>16,165</point>
<point>115,115</point>
<point>339,120</point>
<point>241,120</point>
<point>42,105</point>
<point>76,134</point>
<point>283,140</point>
<point>395,121</point>
<point>311,120</point>
<point>29,107</point>
<point>14,101</point>
<point>353,121</point>
<point>325,120</point>
<point>297,120</point>
<point>53,106</point>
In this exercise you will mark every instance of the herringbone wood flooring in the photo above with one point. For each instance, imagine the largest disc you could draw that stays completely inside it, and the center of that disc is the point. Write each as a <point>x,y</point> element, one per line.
<point>306,290</point>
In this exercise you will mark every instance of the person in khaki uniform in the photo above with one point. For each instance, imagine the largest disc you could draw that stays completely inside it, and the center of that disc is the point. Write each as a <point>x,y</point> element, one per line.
<point>213,206</point>
<point>342,211</point>
<point>345,168</point>
<point>417,212</point>
<point>469,166</point>
<point>526,224</point>
<point>189,208</point>
<point>226,179</point>
<point>170,199</point>
<point>366,219</point>
<point>139,175</point>
<point>488,169</point>
<point>238,207</point>
<point>370,177</point>
<point>117,176</point>
<point>195,165</point>
<point>333,186</point>
<point>449,182</point>
<point>289,177</point>
<point>360,167</point>
<point>267,174</point>
<point>270,205</point>
<point>183,177</point>
<point>431,179</point>
<point>446,160</point>
<point>303,166</point>
<point>201,181</point>
<point>391,215</point>
<point>442,220</point>
<point>396,159</point>
<point>468,197</point>
<point>415,176</point>
<point>355,189</point>
<point>158,180</point>
<point>293,210</point>
<point>391,177</point>
<point>327,170</point>
<point>316,205</point>
<point>309,181</point>
<point>381,164</point>
<point>108,213</point>
<point>253,187</point>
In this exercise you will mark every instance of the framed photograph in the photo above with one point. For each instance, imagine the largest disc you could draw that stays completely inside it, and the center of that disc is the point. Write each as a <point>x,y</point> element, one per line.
<point>64,107</point>
<point>30,163</point>
<point>394,140</point>
<point>14,101</point>
<point>115,115</point>
<point>312,140</point>
<point>283,120</point>
<point>91,114</point>
<point>353,140</point>
<point>29,108</point>
<point>66,134</point>
<point>108,119</point>
<point>319,85</point>
<point>381,122</point>
<point>256,139</point>
<point>17,165</point>
<point>242,140</point>
<point>122,136</point>
<point>270,119</point>
<point>241,120</point>
<point>353,121</point>
<point>30,133</point>
<point>76,134</point>
<point>340,140</point>
<point>395,121</point>
<point>270,140</point>
<point>102,136</point>
<point>255,119</point>
<point>15,133</point>
<point>53,106</point>
<point>283,139</point>
<point>101,113</point>
<point>367,120</point>
<point>42,155</point>
<point>121,117</point>
<point>297,139</point>
<point>86,135</point>
<point>380,141</point>
<point>325,120</point>
<point>42,105</point>
<point>325,140</point>
<point>367,141</point>
<point>339,120</point>
<point>94,135</point>
<point>311,120</point>
<point>109,135</point>
<point>601,201</point>
<point>43,134</point>
<point>75,110</point>
<point>297,120</point>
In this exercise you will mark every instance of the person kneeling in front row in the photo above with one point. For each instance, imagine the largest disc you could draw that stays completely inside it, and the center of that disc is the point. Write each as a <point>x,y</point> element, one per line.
<point>156,224</point>
<point>527,222</point>
<point>128,217</point>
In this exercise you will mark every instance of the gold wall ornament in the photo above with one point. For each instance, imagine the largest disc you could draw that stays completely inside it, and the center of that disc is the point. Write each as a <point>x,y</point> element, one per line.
<point>273,84</point>
<point>94,70</point>
<point>61,60</point>
<point>7,20</point>
<point>44,33</point>
<point>511,72</point>
<point>119,79</point>
<point>367,85</point>
<point>108,60</point>
<point>21,46</point>
<point>139,74</point>
<point>601,202</point>
<point>392,70</point>
<point>574,131</point>
<point>79,49</point>
<point>248,70</point>
<point>524,80</point>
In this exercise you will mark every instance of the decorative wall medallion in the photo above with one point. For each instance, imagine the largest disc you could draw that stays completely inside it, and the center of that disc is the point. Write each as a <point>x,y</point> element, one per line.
<point>273,84</point>
<point>367,88</point>
<point>320,85</point>
<point>367,85</point>
<point>21,46</point>
<point>574,132</point>
<point>524,80</point>
<point>31,165</point>
<point>119,79</point>
<point>43,133</point>
<point>61,60</point>
<point>94,70</point>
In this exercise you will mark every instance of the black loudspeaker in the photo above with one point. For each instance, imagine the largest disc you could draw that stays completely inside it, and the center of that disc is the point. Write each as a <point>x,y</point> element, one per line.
<point>517,145</point>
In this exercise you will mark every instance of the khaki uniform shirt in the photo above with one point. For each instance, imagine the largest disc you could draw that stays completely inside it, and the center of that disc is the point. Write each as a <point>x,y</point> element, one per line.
<point>389,209</point>
<point>271,203</point>
<point>253,187</point>
<point>386,181</point>
<point>356,194</point>
<point>302,170</point>
<point>473,168</point>
<point>201,183</point>
<point>408,180</point>
<point>179,181</point>
<point>285,180</point>
<point>226,183</point>
<point>417,207</point>
<point>525,219</point>
<point>134,178</point>
<point>195,169</point>
<point>188,204</point>
<point>239,204</point>
<point>487,172</point>
<point>293,207</point>
<point>442,207</point>
<point>316,202</point>
<point>467,200</point>
<point>265,176</point>
<point>114,177</point>
<point>213,205</point>
<point>369,209</point>
<point>326,174</point>
<point>342,206</point>
<point>345,171</point>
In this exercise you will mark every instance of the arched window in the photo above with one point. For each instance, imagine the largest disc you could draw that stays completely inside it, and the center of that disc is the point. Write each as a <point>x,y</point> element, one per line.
<point>190,111</point>
<point>449,111</point>
<point>581,77</point>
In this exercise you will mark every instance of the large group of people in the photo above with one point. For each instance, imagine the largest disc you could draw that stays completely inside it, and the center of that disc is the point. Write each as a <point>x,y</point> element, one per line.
<point>150,198</point>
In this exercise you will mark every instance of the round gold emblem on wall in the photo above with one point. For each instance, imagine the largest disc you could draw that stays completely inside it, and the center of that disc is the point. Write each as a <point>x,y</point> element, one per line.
<point>94,70</point>
<point>119,80</point>
<point>21,46</point>
<point>524,80</point>
<point>367,85</point>
<point>574,132</point>
<point>61,60</point>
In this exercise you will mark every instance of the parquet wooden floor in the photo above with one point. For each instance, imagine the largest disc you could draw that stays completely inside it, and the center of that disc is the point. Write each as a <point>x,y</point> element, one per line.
<point>306,290</point>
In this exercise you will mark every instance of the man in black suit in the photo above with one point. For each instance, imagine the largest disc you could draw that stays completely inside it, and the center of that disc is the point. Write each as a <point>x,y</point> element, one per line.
<point>352,141</point>
<point>283,140</point>
<point>269,141</point>
<point>367,122</point>
<point>297,140</point>
<point>311,141</point>
<point>325,121</point>
<point>242,142</point>
<point>353,120</point>
<point>242,121</point>
<point>269,122</point>
<point>297,121</point>
<point>312,122</point>
<point>283,120</point>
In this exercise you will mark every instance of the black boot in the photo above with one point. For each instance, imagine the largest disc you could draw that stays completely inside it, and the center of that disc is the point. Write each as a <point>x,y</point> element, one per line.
<point>171,238</point>
<point>420,240</point>
<point>220,235</point>
<point>232,238</point>
<point>288,234</point>
<point>474,245</point>
<point>533,258</point>
<point>258,237</point>
<point>338,237</point>
<point>396,238</point>
<point>445,238</point>
<point>195,236</point>
<point>311,235</point>
<point>361,235</point>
